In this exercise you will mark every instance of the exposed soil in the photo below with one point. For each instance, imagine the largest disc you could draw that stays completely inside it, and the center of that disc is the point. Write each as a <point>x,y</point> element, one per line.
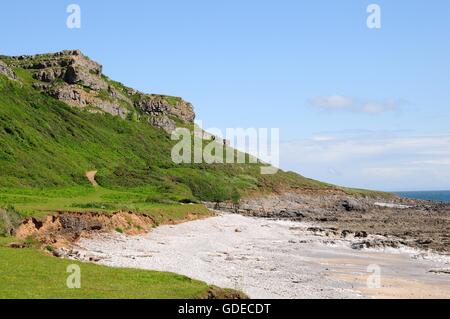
<point>91,177</point>
<point>63,229</point>
<point>220,293</point>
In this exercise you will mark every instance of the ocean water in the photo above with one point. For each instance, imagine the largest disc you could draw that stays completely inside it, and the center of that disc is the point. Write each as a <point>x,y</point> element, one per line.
<point>439,196</point>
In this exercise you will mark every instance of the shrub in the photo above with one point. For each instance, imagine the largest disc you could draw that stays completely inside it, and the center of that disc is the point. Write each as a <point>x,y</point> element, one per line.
<point>9,220</point>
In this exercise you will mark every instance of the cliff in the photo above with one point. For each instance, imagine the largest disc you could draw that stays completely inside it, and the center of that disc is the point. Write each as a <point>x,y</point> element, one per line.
<point>73,78</point>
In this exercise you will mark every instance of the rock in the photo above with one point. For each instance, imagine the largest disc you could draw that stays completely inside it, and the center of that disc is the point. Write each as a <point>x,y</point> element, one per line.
<point>95,258</point>
<point>60,252</point>
<point>157,105</point>
<point>86,77</point>
<point>75,79</point>
<point>379,243</point>
<point>152,105</point>
<point>352,205</point>
<point>48,75</point>
<point>112,108</point>
<point>315,229</point>
<point>361,234</point>
<point>326,231</point>
<point>345,233</point>
<point>295,214</point>
<point>424,241</point>
<point>440,271</point>
<point>67,94</point>
<point>164,122</point>
<point>4,69</point>
<point>17,245</point>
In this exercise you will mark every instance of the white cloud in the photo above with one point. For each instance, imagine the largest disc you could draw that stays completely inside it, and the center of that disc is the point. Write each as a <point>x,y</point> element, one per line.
<point>370,161</point>
<point>320,138</point>
<point>346,103</point>
<point>332,102</point>
<point>379,107</point>
<point>444,161</point>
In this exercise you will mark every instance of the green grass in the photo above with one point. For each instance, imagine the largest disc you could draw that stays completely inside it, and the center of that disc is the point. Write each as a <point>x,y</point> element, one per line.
<point>47,144</point>
<point>28,273</point>
<point>173,100</point>
<point>42,202</point>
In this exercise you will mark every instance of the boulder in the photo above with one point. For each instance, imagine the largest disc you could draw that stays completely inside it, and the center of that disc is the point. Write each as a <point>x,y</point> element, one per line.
<point>156,105</point>
<point>351,204</point>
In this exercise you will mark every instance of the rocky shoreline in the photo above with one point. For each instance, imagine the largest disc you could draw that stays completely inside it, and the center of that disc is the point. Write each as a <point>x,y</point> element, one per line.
<point>395,222</point>
<point>274,258</point>
<point>293,245</point>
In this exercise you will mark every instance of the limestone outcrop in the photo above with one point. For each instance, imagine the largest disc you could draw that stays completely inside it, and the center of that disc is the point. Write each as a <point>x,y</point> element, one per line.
<point>75,79</point>
<point>4,69</point>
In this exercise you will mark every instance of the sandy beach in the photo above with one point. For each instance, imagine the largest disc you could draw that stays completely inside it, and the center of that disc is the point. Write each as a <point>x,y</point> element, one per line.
<point>268,258</point>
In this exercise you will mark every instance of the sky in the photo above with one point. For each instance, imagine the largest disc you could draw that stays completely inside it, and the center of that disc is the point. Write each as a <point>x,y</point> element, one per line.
<point>355,106</point>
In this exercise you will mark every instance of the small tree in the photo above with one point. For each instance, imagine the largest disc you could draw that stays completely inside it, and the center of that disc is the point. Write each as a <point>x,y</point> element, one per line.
<point>235,197</point>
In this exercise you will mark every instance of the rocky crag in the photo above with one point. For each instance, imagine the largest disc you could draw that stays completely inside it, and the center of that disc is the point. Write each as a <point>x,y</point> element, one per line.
<point>75,79</point>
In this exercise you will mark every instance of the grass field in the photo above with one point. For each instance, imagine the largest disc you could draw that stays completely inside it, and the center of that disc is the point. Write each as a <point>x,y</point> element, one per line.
<point>42,202</point>
<point>32,273</point>
<point>29,273</point>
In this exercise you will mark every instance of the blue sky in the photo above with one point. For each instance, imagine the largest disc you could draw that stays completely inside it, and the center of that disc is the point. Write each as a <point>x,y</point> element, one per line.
<point>355,106</point>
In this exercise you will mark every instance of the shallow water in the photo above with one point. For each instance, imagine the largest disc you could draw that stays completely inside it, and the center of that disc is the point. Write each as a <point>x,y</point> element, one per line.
<point>438,196</point>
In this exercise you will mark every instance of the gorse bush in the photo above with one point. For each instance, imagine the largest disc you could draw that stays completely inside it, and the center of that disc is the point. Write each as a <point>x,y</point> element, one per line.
<point>9,220</point>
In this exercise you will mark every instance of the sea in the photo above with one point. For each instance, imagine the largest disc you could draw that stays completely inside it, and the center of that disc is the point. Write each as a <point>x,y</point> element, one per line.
<point>438,196</point>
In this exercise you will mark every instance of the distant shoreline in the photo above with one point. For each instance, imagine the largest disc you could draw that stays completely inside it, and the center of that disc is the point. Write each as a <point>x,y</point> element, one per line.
<point>436,196</point>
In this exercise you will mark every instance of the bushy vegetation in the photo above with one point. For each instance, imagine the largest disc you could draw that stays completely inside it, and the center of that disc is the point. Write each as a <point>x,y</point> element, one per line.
<point>9,220</point>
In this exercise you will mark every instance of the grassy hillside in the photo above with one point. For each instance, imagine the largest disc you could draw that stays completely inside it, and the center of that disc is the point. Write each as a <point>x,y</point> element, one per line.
<point>47,144</point>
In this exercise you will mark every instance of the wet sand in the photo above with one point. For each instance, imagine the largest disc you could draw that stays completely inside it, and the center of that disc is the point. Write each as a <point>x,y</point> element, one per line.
<point>275,259</point>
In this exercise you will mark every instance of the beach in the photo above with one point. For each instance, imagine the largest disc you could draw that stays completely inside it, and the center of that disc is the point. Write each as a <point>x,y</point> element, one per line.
<point>269,258</point>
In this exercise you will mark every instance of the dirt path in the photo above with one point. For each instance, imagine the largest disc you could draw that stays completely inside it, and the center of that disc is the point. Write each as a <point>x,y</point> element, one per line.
<point>275,259</point>
<point>91,177</point>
